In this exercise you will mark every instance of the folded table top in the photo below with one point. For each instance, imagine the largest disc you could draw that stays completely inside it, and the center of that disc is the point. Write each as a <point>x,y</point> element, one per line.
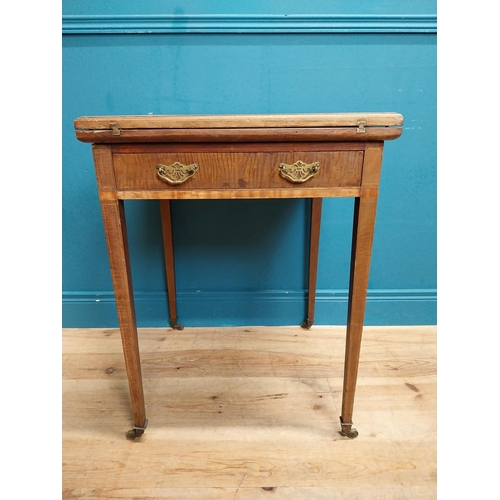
<point>231,128</point>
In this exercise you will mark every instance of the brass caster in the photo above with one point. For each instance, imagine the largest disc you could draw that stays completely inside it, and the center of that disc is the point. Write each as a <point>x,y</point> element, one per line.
<point>352,434</point>
<point>136,432</point>
<point>306,325</point>
<point>131,435</point>
<point>348,430</point>
<point>176,326</point>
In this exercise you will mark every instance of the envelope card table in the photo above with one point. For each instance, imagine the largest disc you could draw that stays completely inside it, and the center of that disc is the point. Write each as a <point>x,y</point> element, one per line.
<point>185,157</point>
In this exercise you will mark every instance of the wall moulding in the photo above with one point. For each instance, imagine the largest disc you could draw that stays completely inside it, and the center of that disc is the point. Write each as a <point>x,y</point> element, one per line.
<point>209,308</point>
<point>266,24</point>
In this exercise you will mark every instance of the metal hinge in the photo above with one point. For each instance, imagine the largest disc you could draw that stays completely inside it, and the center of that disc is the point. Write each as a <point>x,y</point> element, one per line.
<point>114,129</point>
<point>361,127</point>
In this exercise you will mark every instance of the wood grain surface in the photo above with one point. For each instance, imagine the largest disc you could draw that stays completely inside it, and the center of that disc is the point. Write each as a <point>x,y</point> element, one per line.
<point>250,413</point>
<point>237,170</point>
<point>238,128</point>
<point>241,121</point>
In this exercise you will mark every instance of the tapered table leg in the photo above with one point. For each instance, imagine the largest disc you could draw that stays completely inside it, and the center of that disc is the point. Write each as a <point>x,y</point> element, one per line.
<point>116,235</point>
<point>364,221</point>
<point>168,245</point>
<point>316,204</point>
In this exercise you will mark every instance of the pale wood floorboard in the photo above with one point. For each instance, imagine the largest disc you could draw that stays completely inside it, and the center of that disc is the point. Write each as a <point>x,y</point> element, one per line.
<point>250,413</point>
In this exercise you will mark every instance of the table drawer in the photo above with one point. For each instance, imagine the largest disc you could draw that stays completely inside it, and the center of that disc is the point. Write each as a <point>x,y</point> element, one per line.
<point>269,170</point>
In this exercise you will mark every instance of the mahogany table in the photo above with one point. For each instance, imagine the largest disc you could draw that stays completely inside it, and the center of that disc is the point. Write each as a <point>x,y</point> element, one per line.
<point>239,156</point>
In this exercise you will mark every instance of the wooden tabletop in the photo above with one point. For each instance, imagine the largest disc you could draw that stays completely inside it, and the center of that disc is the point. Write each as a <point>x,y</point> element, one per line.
<point>239,128</point>
<point>240,121</point>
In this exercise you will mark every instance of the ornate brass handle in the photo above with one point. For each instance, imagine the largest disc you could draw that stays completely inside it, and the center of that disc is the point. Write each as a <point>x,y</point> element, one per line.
<point>299,171</point>
<point>177,173</point>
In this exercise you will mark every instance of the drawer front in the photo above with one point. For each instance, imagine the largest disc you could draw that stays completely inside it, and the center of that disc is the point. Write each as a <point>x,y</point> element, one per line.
<point>272,170</point>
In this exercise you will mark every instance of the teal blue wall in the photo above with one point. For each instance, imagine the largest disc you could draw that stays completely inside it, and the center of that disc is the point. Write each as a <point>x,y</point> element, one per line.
<point>240,261</point>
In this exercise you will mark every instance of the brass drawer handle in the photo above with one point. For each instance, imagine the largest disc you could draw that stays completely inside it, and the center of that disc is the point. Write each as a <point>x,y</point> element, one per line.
<point>299,171</point>
<point>177,173</point>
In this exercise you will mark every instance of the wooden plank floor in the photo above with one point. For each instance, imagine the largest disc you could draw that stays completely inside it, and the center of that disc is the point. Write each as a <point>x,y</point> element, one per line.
<point>250,413</point>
